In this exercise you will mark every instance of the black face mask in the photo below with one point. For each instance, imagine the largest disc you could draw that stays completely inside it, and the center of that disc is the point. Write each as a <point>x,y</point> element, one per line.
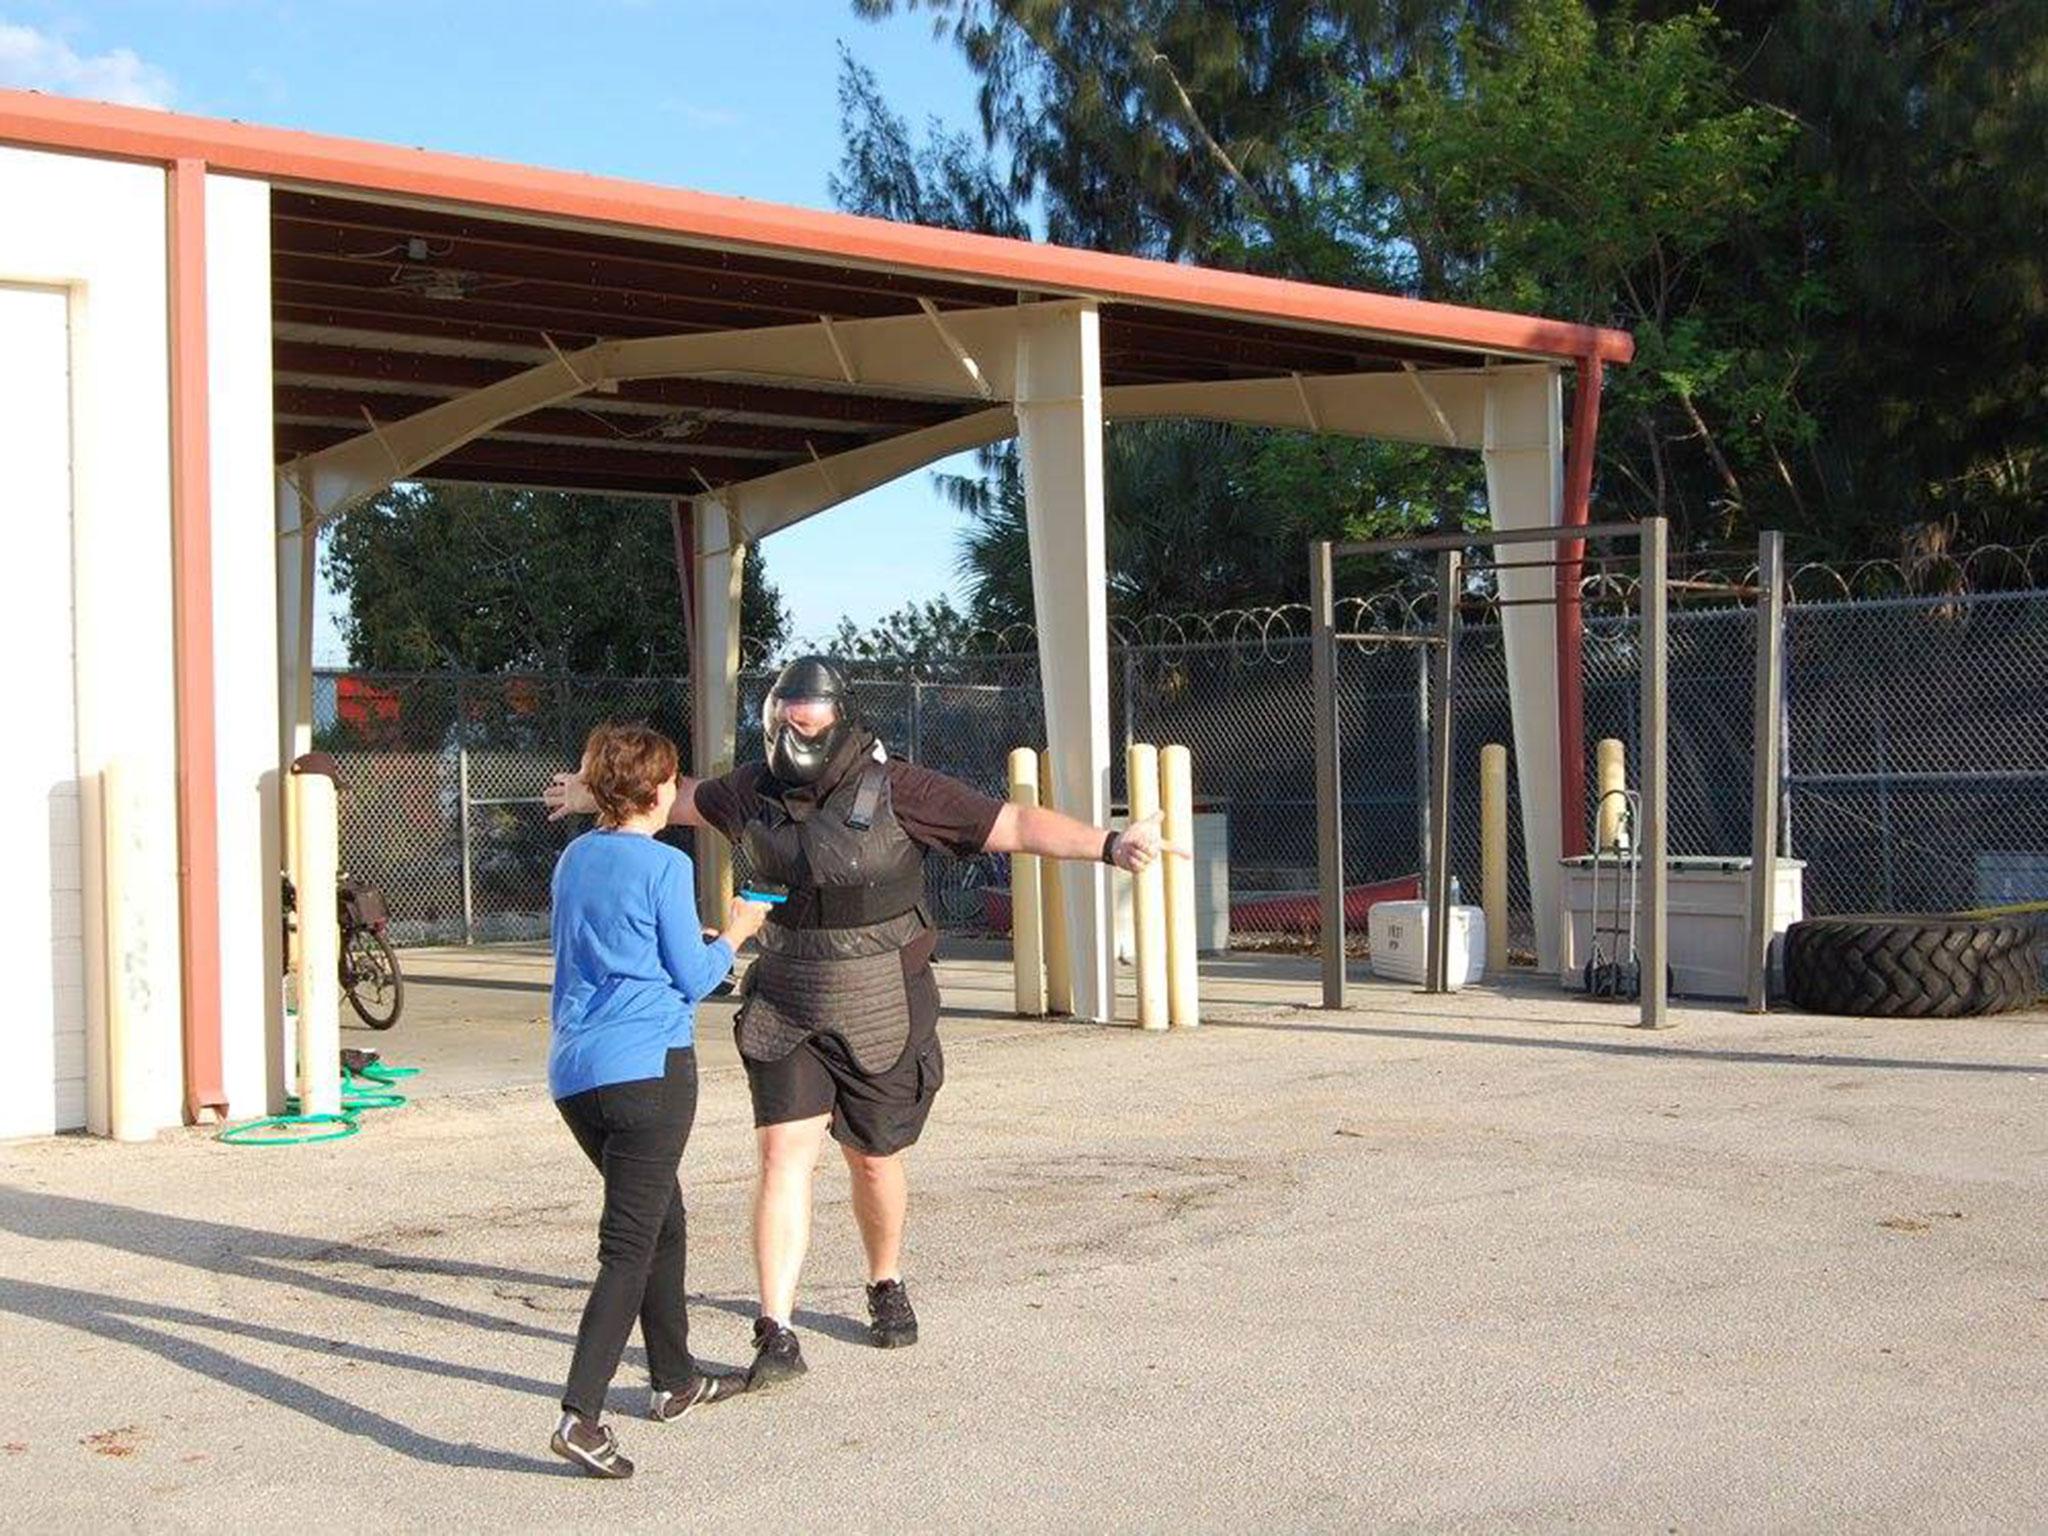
<point>796,758</point>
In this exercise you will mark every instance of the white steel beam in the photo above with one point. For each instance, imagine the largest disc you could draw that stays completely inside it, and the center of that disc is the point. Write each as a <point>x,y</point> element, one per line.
<point>788,496</point>
<point>1058,394</point>
<point>1524,456</point>
<point>1451,413</point>
<point>718,573</point>
<point>962,353</point>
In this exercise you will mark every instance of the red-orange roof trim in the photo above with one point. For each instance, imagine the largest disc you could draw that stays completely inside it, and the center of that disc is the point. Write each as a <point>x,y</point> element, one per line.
<point>31,119</point>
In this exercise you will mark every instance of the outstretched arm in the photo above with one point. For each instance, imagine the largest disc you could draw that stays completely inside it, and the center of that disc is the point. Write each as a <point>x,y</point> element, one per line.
<point>566,796</point>
<point>1055,835</point>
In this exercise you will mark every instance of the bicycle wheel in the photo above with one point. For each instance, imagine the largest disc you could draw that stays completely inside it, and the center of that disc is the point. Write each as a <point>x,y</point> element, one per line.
<point>370,977</point>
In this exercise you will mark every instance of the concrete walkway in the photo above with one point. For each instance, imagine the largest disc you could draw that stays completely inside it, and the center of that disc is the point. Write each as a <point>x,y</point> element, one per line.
<point>1448,1264</point>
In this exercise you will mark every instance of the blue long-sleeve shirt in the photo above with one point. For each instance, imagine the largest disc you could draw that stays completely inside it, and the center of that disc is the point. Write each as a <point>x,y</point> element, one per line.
<point>630,960</point>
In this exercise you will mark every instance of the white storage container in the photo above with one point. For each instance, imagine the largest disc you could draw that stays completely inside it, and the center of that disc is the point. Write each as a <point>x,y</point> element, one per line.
<point>1707,921</point>
<point>1397,933</point>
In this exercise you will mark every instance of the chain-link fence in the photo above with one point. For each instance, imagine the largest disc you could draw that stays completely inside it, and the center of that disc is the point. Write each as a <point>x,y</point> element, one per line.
<point>1915,777</point>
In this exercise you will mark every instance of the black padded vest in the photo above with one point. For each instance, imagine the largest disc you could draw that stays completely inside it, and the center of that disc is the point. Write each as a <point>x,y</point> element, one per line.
<point>847,861</point>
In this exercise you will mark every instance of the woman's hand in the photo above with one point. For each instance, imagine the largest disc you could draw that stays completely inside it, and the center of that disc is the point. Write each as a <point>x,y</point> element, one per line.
<point>743,919</point>
<point>567,796</point>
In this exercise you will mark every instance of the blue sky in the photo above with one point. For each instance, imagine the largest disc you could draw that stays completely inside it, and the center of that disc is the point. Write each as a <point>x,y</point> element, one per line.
<point>715,95</point>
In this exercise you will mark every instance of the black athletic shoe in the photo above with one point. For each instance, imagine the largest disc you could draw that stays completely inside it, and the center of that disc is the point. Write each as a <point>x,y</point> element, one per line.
<point>593,1447</point>
<point>705,1387</point>
<point>891,1322</point>
<point>778,1357</point>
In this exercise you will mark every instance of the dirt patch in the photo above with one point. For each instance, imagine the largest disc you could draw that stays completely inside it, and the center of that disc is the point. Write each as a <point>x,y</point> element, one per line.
<point>1924,1222</point>
<point>114,1442</point>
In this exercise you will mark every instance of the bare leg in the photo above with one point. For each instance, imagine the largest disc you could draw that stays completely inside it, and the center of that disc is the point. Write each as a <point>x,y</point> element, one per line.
<point>782,1209</point>
<point>881,1191</point>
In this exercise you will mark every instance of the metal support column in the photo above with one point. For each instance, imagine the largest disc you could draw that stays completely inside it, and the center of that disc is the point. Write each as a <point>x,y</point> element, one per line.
<point>1329,782</point>
<point>1450,564</point>
<point>462,831</point>
<point>1765,743</point>
<point>1652,916</point>
<point>1422,787</point>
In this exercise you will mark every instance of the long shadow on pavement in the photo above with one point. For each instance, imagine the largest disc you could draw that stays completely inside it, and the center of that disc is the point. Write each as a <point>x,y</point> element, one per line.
<point>1617,1048</point>
<point>480,983</point>
<point>251,1253</point>
<point>124,1322</point>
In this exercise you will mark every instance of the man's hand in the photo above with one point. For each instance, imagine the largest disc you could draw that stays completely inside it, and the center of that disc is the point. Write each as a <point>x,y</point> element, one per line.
<point>1143,841</point>
<point>567,796</point>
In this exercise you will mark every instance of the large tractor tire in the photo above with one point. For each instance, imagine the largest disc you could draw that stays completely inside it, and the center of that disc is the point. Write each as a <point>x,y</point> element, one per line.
<point>1911,967</point>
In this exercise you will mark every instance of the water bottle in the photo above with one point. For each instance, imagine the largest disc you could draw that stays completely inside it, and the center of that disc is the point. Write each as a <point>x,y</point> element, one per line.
<point>1457,895</point>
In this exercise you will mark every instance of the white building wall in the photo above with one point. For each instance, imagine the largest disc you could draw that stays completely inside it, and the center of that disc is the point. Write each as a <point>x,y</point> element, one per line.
<point>244,640</point>
<point>95,229</point>
<point>42,1033</point>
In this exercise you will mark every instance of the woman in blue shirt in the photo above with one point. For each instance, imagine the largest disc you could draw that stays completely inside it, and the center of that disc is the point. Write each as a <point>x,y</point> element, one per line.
<point>631,964</point>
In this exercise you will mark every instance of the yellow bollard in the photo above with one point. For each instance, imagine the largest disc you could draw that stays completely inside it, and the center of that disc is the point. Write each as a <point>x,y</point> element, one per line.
<point>1612,775</point>
<point>1493,853</point>
<point>1183,978</point>
<point>1059,965</point>
<point>1027,911</point>
<point>316,977</point>
<point>1148,892</point>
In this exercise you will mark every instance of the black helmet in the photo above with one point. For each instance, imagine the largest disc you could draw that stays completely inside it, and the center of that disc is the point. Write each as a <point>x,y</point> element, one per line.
<point>794,757</point>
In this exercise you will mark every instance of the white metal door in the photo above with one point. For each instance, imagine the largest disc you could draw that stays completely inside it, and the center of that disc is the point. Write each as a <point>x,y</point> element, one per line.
<point>43,1026</point>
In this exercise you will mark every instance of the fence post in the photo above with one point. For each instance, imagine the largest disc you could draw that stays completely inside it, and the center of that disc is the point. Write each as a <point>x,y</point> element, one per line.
<point>1329,771</point>
<point>1422,727</point>
<point>915,746</point>
<point>462,832</point>
<point>1766,740</point>
<point>1450,581</point>
<point>1653,835</point>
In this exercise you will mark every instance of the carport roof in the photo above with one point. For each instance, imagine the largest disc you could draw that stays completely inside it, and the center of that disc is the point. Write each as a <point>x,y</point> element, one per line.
<point>402,278</point>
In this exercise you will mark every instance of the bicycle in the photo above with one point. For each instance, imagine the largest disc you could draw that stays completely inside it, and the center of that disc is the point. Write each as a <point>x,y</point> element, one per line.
<point>370,974</point>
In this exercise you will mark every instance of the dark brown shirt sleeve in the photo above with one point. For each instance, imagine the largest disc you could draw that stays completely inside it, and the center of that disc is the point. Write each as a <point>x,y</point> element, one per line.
<point>726,801</point>
<point>940,812</point>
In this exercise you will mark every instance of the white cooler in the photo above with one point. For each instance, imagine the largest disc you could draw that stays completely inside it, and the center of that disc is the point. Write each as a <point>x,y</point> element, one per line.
<point>1397,934</point>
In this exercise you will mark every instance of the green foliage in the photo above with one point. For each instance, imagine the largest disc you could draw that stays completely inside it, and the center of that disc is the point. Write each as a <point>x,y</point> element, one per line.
<point>478,578</point>
<point>929,631</point>
<point>1605,173</point>
<point>1821,219</point>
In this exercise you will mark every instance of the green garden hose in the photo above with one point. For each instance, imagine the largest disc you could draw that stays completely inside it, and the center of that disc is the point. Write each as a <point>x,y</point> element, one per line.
<point>369,1088</point>
<point>257,1133</point>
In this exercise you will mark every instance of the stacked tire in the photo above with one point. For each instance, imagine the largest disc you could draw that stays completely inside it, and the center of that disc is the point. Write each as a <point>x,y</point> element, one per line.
<point>1912,967</point>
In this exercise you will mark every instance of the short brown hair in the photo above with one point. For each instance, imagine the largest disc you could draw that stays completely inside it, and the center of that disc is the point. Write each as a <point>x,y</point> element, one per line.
<point>624,767</point>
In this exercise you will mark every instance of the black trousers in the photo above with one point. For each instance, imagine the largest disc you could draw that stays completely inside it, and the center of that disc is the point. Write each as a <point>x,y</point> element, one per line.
<point>635,1132</point>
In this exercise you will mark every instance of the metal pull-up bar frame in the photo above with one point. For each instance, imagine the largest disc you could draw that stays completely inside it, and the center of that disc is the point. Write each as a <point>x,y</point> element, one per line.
<point>1653,914</point>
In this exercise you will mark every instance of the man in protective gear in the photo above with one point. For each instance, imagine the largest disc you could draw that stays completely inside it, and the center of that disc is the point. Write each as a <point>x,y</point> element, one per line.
<point>838,1027</point>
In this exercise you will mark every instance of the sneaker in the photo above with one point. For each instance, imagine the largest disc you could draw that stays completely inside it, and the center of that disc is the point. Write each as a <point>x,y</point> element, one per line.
<point>891,1322</point>
<point>593,1447</point>
<point>705,1387</point>
<point>778,1357</point>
